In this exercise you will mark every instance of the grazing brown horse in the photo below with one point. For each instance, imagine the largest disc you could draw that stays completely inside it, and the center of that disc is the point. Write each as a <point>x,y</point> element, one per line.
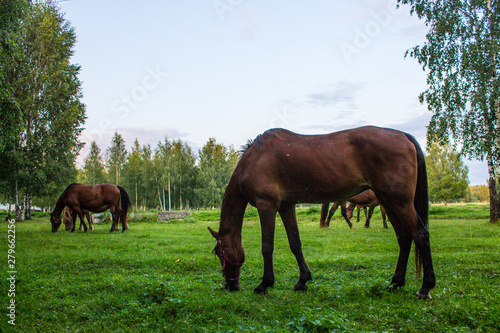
<point>361,200</point>
<point>69,217</point>
<point>280,169</point>
<point>368,215</point>
<point>93,198</point>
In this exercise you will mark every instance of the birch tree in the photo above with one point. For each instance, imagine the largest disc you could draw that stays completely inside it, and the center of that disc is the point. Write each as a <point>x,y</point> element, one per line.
<point>460,58</point>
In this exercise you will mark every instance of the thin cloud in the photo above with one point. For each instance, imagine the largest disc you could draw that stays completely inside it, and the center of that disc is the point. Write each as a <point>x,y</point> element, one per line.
<point>342,93</point>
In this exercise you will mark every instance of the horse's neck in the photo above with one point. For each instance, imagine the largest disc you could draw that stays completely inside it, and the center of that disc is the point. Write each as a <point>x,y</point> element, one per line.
<point>232,211</point>
<point>59,206</point>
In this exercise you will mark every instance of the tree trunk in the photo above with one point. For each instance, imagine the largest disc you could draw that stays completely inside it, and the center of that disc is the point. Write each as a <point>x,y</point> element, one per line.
<point>136,194</point>
<point>494,204</point>
<point>163,192</point>
<point>169,195</point>
<point>27,199</point>
<point>9,213</point>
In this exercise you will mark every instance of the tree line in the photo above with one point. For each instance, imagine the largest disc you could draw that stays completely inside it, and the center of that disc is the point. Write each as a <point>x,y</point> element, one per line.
<point>42,115</point>
<point>168,177</point>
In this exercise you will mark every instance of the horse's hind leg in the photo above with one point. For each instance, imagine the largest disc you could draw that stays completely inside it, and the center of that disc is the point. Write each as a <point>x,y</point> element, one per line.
<point>123,218</point>
<point>404,240</point>
<point>290,221</point>
<point>324,213</point>
<point>80,228</point>
<point>114,224</point>
<point>114,218</point>
<point>384,217</point>
<point>409,228</point>
<point>89,218</point>
<point>422,244</point>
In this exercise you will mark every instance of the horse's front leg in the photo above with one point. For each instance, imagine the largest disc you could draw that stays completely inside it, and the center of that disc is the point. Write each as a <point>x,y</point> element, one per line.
<point>369,216</point>
<point>332,211</point>
<point>358,209</point>
<point>73,219</point>
<point>267,215</point>
<point>290,221</point>
<point>343,211</point>
<point>82,220</point>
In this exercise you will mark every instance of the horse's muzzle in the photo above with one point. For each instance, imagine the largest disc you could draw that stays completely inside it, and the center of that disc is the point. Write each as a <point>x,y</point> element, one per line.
<point>232,284</point>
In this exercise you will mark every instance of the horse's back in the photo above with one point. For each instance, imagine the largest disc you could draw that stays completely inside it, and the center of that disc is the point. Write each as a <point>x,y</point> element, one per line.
<point>322,168</point>
<point>93,197</point>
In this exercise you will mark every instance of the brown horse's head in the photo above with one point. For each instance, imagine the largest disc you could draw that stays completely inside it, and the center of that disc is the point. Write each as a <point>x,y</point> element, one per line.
<point>231,258</point>
<point>67,219</point>
<point>55,219</point>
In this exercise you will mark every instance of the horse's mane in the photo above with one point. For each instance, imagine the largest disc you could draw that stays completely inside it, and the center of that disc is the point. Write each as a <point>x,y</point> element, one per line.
<point>250,142</point>
<point>258,140</point>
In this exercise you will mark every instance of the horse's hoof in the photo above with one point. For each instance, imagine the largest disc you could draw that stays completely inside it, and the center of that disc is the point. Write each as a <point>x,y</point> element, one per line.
<point>393,287</point>
<point>423,296</point>
<point>300,287</point>
<point>260,290</point>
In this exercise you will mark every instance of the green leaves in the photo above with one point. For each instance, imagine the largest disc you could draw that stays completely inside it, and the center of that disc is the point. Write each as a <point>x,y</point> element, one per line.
<point>116,156</point>
<point>460,58</point>
<point>43,112</point>
<point>447,174</point>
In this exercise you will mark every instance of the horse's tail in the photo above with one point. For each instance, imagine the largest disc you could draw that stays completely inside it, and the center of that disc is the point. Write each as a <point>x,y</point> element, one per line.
<point>421,201</point>
<point>126,204</point>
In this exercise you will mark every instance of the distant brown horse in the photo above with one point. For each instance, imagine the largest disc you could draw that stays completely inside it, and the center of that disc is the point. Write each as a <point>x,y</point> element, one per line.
<point>93,198</point>
<point>368,215</point>
<point>280,169</point>
<point>69,217</point>
<point>361,200</point>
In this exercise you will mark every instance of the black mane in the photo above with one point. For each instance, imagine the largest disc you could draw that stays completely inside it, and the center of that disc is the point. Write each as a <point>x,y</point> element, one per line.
<point>257,140</point>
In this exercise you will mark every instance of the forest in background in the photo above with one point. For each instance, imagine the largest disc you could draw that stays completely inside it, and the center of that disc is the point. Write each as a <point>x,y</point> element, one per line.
<point>42,118</point>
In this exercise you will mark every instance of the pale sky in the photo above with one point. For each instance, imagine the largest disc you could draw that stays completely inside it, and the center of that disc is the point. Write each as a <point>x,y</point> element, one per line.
<point>231,69</point>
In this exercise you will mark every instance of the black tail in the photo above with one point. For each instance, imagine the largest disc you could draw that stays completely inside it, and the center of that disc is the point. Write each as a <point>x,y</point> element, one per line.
<point>421,193</point>
<point>421,201</point>
<point>126,203</point>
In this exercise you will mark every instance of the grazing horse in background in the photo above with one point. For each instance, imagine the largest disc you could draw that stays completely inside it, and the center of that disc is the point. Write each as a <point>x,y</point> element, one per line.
<point>363,200</point>
<point>350,210</point>
<point>281,168</point>
<point>69,217</point>
<point>96,199</point>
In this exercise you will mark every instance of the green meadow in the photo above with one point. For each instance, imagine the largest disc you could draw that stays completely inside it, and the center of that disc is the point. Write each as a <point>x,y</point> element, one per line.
<point>163,277</point>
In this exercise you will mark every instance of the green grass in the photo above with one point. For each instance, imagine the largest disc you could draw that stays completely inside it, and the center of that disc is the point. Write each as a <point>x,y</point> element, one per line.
<point>163,277</point>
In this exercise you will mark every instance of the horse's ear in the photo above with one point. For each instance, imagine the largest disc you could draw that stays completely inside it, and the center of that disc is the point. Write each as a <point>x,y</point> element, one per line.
<point>213,232</point>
